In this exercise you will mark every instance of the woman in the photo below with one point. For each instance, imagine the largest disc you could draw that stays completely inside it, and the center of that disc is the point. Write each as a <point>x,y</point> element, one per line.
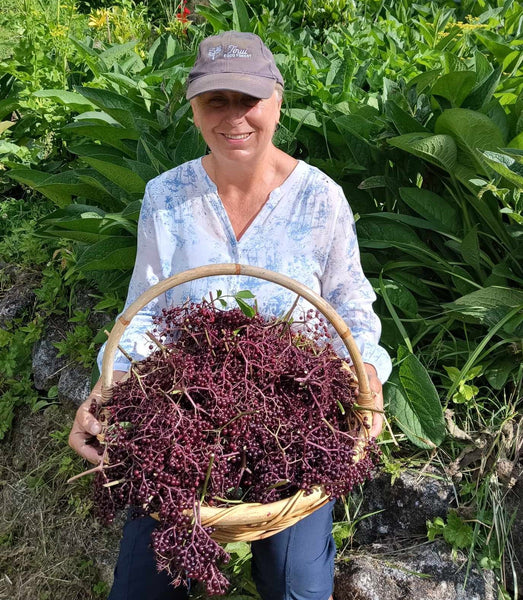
<point>247,202</point>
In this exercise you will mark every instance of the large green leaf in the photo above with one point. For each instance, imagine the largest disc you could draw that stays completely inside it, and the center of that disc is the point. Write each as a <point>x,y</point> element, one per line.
<point>218,21</point>
<point>303,116</point>
<point>489,306</point>
<point>73,101</point>
<point>109,254</point>
<point>128,113</point>
<point>455,86</point>
<point>434,208</point>
<point>110,163</point>
<point>409,280</point>
<point>8,106</point>
<point>470,250</point>
<point>506,166</point>
<point>440,150</point>
<point>482,93</point>
<point>403,121</point>
<point>115,52</point>
<point>60,188</point>
<point>190,145</point>
<point>375,232</point>
<point>105,133</point>
<point>472,132</point>
<point>127,179</point>
<point>398,295</point>
<point>414,402</point>
<point>240,18</point>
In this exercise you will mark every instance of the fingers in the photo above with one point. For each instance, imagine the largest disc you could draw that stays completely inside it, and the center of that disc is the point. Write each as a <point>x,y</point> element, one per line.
<point>377,424</point>
<point>84,428</point>
<point>377,394</point>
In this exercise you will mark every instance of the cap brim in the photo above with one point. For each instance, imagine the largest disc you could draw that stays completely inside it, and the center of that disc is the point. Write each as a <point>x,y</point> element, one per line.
<point>258,87</point>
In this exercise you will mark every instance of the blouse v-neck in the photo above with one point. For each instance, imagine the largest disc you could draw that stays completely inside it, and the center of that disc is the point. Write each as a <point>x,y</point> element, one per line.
<point>270,204</point>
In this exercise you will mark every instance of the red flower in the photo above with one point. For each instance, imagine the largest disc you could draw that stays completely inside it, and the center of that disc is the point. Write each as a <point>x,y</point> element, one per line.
<point>182,15</point>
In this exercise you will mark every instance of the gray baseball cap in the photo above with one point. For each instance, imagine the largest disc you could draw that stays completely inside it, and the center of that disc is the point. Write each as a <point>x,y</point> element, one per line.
<point>235,61</point>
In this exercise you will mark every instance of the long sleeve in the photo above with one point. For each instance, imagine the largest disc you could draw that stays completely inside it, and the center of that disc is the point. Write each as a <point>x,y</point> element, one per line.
<point>147,272</point>
<point>345,286</point>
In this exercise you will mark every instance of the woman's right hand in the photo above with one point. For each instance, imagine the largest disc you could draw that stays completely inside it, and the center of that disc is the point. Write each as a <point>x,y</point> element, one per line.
<point>86,426</point>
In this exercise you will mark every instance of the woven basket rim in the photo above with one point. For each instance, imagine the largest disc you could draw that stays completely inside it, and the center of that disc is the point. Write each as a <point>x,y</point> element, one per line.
<point>251,521</point>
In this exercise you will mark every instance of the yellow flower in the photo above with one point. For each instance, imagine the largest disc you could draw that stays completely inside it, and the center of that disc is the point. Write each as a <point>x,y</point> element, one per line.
<point>59,31</point>
<point>99,18</point>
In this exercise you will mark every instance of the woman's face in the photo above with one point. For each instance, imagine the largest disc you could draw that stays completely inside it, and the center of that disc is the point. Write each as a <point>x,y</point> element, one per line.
<point>236,126</point>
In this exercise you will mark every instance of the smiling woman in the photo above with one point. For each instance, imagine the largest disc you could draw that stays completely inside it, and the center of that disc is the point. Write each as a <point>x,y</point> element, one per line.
<point>245,202</point>
<point>243,162</point>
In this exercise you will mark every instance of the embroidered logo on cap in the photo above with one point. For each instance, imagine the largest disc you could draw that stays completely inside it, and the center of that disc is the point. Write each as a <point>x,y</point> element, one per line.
<point>235,52</point>
<point>214,52</point>
<point>232,51</point>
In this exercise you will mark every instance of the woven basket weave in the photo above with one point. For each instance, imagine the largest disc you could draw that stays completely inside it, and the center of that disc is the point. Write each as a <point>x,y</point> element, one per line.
<point>252,521</point>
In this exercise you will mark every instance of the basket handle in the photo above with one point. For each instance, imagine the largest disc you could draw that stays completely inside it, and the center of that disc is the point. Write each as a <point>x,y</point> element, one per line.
<point>365,399</point>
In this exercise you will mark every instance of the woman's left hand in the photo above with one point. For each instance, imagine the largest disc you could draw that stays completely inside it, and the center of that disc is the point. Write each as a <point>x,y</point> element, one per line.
<point>377,393</point>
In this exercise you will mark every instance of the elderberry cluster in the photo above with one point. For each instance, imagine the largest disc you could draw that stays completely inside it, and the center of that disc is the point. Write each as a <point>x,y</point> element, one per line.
<point>228,407</point>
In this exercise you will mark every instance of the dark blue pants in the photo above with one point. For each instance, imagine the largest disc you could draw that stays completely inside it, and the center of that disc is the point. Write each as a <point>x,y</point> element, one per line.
<point>295,564</point>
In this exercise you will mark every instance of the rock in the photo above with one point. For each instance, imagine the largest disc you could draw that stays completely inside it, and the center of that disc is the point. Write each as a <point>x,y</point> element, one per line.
<point>47,366</point>
<point>423,572</point>
<point>18,297</point>
<point>402,507</point>
<point>74,385</point>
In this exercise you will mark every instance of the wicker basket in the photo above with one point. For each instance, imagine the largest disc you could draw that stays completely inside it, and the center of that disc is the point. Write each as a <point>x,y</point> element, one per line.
<point>252,521</point>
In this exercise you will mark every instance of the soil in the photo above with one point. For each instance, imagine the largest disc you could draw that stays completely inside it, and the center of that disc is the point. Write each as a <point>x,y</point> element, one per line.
<point>50,544</point>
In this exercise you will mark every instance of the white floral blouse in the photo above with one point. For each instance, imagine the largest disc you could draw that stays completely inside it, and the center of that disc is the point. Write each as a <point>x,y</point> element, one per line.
<point>305,230</point>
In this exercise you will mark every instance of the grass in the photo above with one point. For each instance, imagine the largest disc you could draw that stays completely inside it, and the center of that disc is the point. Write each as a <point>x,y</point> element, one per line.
<point>50,546</point>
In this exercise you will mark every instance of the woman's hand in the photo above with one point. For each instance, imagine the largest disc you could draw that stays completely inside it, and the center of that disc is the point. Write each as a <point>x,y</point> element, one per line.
<point>377,394</point>
<point>86,426</point>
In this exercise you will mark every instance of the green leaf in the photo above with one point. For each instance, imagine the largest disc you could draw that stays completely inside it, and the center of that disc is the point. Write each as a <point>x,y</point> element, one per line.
<point>240,549</point>
<point>433,207</point>
<point>506,166</point>
<point>73,101</point>
<point>473,132</point>
<point>113,54</point>
<point>8,106</point>
<point>482,93</point>
<point>488,306</point>
<point>303,115</point>
<point>59,188</point>
<point>403,122</point>
<point>397,294</point>
<point>440,150</point>
<point>246,294</point>
<point>246,309</point>
<point>190,145</point>
<point>128,113</point>
<point>499,371</point>
<point>410,281</point>
<point>455,86</point>
<point>470,250</point>
<point>108,254</point>
<point>112,135</point>
<point>457,533</point>
<point>218,21</point>
<point>240,18</point>
<point>415,404</point>
<point>453,373</point>
<point>375,232</point>
<point>481,302</point>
